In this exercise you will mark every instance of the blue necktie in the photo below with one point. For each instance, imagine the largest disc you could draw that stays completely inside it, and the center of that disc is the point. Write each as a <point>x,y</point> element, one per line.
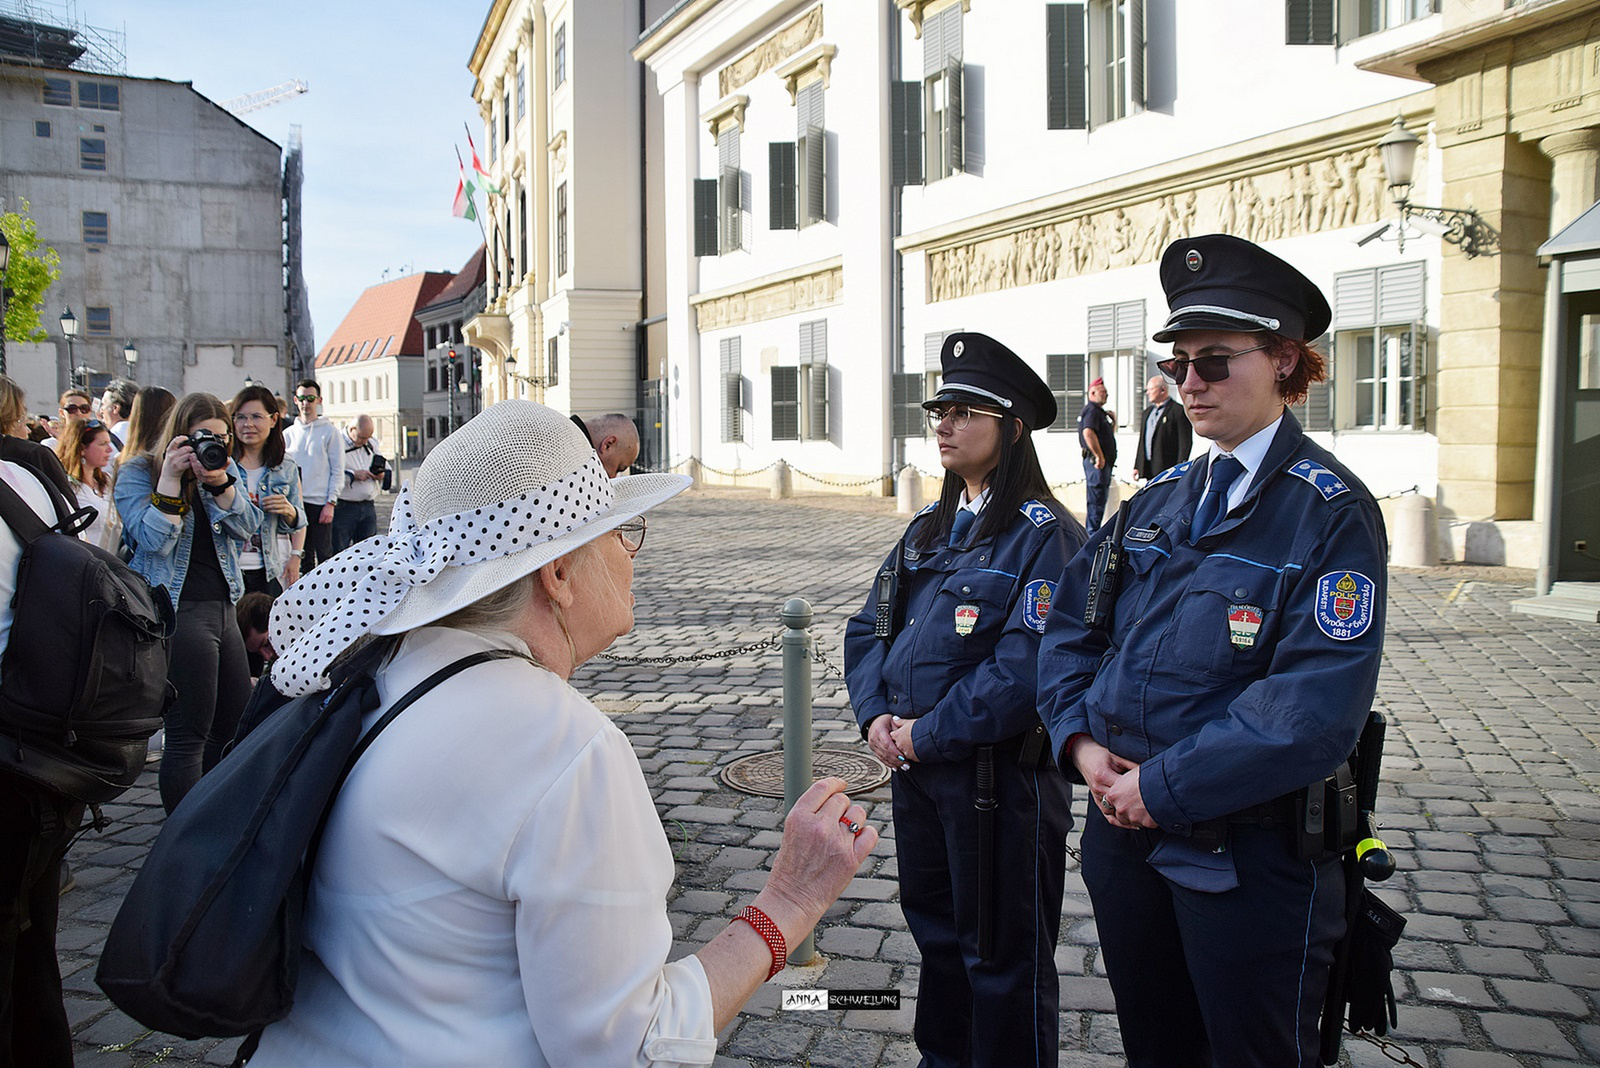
<point>1213,505</point>
<point>960,525</point>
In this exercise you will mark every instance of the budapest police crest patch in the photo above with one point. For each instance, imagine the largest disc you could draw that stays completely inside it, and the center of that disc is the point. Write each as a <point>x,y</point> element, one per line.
<point>1345,606</point>
<point>1036,598</point>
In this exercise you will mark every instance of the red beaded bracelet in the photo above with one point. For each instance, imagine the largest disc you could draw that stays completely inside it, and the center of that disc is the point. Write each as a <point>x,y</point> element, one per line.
<point>769,934</point>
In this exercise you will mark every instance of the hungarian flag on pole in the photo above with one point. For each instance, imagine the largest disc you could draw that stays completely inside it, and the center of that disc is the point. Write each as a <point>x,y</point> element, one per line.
<point>464,207</point>
<point>477,165</point>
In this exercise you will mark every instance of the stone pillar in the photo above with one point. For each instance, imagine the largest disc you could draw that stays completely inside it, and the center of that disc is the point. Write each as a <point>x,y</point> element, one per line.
<point>1575,178</point>
<point>1491,320</point>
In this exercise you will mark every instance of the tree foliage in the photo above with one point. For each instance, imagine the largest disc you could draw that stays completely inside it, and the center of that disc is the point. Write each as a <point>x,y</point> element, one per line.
<point>29,273</point>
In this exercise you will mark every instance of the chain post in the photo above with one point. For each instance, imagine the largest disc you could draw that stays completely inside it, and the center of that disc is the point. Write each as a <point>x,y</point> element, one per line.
<point>796,616</point>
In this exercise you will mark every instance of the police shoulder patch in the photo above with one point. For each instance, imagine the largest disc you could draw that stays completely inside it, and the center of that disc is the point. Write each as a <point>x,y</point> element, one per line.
<point>1322,480</point>
<point>1345,604</point>
<point>1037,513</point>
<point>1171,474</point>
<point>927,508</point>
<point>1036,598</point>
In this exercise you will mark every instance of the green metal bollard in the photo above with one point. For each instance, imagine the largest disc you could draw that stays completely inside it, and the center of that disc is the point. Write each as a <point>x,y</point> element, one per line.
<point>796,616</point>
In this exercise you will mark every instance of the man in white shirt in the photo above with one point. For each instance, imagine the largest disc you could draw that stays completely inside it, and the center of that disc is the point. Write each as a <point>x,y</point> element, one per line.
<point>315,444</point>
<point>357,516</point>
<point>115,407</point>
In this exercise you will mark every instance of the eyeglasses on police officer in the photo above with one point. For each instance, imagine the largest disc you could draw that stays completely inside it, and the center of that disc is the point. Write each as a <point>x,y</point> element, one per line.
<point>960,415</point>
<point>1212,367</point>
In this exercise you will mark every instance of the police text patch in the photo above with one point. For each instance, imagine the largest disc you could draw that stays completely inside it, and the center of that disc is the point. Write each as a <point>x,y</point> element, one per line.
<point>1170,474</point>
<point>1345,607</point>
<point>1142,534</point>
<point>1036,598</point>
<point>1037,513</point>
<point>1324,481</point>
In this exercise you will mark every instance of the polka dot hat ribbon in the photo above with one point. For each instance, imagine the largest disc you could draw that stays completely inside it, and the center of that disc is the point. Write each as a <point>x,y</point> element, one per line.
<point>349,596</point>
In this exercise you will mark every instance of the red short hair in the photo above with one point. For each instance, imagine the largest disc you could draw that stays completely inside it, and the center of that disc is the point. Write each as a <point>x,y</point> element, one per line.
<point>1309,367</point>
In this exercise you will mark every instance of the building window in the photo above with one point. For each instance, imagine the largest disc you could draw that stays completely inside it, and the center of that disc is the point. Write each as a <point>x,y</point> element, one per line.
<point>561,229</point>
<point>1357,18</point>
<point>552,366</point>
<point>1117,354</point>
<point>494,138</point>
<point>505,119</point>
<point>96,228</point>
<point>522,92</point>
<point>100,96</point>
<point>1068,378</point>
<point>1094,55</point>
<point>1379,349</point>
<point>522,230</point>
<point>97,322</point>
<point>92,153</point>
<point>718,202</point>
<point>811,156</point>
<point>813,383</point>
<point>41,127</point>
<point>433,379</point>
<point>58,92</point>
<point>433,428</point>
<point>558,65</point>
<point>941,93</point>
<point>732,388</point>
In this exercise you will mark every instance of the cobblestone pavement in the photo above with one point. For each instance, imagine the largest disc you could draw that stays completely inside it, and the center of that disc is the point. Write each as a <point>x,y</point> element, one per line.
<point>1489,801</point>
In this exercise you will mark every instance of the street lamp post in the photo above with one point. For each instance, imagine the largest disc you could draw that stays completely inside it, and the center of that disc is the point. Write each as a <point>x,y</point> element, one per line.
<point>69,330</point>
<point>1462,227</point>
<point>5,261</point>
<point>131,355</point>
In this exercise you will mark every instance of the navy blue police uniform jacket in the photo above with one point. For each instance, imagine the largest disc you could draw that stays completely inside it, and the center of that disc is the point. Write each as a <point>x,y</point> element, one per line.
<point>1237,670</point>
<point>965,660</point>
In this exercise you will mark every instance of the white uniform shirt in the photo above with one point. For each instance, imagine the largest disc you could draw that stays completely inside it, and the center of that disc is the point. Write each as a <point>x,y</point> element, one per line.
<point>492,886</point>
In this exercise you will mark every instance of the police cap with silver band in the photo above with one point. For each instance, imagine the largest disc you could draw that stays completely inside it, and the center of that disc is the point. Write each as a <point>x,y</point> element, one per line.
<point>1221,282</point>
<point>979,370</point>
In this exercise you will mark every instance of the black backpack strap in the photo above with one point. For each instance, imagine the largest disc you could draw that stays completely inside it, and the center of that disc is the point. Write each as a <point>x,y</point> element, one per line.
<point>20,516</point>
<point>398,707</point>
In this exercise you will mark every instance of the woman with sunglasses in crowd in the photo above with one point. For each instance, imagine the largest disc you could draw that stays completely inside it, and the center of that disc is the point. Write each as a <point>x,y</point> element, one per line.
<point>940,667</point>
<point>1233,676</point>
<point>189,522</point>
<point>85,451</point>
<point>270,561</point>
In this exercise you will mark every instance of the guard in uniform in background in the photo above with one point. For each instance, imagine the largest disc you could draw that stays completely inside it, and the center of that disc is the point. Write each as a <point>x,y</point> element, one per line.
<point>1209,694</point>
<point>941,669</point>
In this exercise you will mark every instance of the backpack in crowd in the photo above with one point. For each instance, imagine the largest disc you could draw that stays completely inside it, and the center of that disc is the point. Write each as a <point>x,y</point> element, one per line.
<point>83,681</point>
<point>207,942</point>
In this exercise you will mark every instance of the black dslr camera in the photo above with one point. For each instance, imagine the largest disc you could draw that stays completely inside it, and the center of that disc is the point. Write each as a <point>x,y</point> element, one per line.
<point>210,449</point>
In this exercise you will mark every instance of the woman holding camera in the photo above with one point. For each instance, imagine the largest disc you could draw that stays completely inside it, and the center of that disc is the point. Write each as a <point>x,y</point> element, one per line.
<point>273,482</point>
<point>190,520</point>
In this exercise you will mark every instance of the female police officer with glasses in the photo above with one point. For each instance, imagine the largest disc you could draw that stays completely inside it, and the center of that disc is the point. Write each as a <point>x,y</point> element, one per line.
<point>1236,670</point>
<point>940,665</point>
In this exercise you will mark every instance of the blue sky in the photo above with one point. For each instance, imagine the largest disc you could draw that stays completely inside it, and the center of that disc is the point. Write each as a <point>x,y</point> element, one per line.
<point>389,91</point>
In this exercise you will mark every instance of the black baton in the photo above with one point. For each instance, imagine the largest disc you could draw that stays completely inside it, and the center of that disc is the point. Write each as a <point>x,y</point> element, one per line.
<point>985,804</point>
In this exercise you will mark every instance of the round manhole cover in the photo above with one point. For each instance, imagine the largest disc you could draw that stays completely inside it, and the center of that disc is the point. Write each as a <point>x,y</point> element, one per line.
<point>762,773</point>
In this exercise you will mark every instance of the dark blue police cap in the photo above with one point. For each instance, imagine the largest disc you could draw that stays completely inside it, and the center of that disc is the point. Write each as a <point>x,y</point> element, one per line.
<point>1221,282</point>
<point>980,370</point>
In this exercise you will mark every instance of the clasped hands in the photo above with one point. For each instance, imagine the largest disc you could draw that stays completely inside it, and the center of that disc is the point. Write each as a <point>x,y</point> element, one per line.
<point>1113,783</point>
<point>889,738</point>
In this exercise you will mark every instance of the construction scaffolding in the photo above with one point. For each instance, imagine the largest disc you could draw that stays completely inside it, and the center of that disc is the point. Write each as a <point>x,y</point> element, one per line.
<point>299,339</point>
<point>49,34</point>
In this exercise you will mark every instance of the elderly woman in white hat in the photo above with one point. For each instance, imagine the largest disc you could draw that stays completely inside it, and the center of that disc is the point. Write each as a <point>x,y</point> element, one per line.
<point>492,885</point>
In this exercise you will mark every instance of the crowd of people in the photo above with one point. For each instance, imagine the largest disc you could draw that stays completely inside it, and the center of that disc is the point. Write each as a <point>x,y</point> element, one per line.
<point>492,885</point>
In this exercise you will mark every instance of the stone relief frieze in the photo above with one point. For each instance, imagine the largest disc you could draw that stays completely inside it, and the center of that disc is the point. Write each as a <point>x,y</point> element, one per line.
<point>1336,191</point>
<point>771,301</point>
<point>769,53</point>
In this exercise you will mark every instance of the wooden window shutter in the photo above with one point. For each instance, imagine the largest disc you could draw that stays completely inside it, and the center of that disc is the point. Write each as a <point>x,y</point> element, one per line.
<point>705,216</point>
<point>781,196</point>
<point>905,149</point>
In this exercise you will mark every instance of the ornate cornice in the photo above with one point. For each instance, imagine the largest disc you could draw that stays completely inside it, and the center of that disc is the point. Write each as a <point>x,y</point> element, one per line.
<point>771,51</point>
<point>818,59</point>
<point>815,285</point>
<point>917,10</point>
<point>728,107</point>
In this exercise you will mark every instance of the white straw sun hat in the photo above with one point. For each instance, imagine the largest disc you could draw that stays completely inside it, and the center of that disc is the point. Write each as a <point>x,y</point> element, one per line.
<point>512,490</point>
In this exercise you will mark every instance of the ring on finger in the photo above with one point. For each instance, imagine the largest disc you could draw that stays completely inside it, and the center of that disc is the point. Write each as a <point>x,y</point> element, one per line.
<point>851,825</point>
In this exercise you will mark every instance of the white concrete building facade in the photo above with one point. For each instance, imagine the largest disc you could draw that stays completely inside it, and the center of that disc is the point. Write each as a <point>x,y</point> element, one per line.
<point>1017,168</point>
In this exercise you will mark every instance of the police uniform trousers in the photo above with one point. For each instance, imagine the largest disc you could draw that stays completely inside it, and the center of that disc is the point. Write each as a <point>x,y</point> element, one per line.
<point>36,827</point>
<point>1096,490</point>
<point>1001,1011</point>
<point>1233,979</point>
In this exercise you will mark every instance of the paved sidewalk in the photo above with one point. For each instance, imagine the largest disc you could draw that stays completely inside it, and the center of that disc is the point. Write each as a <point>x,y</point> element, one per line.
<point>1489,803</point>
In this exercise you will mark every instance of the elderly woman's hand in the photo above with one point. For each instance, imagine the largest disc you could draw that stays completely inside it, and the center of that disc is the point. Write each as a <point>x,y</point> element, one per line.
<point>820,853</point>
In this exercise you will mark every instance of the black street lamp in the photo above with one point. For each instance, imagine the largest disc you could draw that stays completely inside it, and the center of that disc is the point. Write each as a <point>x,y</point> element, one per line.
<point>131,355</point>
<point>69,330</point>
<point>1459,226</point>
<point>5,261</point>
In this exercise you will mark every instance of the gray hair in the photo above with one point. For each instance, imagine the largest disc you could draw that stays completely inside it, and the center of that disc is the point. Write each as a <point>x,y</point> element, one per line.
<point>122,393</point>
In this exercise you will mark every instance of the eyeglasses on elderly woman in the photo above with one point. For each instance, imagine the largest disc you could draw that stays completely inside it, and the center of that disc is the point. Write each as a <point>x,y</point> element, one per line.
<point>632,535</point>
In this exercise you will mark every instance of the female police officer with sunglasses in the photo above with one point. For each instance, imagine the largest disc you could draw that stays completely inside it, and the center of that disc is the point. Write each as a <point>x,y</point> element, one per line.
<point>940,665</point>
<point>1236,669</point>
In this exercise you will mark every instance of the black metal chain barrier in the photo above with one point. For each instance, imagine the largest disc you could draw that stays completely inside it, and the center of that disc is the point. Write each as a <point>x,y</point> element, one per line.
<point>836,482</point>
<point>828,666</point>
<point>1398,493</point>
<point>1388,1049</point>
<point>691,658</point>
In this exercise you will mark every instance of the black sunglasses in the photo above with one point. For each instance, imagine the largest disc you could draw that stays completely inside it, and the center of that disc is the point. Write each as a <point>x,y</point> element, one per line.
<point>77,409</point>
<point>1210,368</point>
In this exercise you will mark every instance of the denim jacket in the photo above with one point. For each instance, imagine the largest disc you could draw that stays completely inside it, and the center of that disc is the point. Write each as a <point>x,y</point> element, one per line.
<point>284,479</point>
<point>162,550</point>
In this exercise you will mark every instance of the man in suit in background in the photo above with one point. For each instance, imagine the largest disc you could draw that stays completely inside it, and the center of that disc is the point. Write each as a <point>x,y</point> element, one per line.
<point>1165,437</point>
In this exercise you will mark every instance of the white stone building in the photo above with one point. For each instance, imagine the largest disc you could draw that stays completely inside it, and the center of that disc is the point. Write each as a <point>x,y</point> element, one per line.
<point>846,182</point>
<point>167,213</point>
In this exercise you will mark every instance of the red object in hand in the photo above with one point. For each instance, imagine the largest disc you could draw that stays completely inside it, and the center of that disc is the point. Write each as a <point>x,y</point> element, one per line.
<point>769,934</point>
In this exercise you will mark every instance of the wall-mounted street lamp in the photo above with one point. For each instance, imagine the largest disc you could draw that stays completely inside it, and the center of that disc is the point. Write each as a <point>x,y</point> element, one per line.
<point>131,356</point>
<point>1459,226</point>
<point>532,380</point>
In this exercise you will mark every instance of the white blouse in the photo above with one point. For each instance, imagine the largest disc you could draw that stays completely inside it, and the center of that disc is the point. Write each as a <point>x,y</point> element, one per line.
<point>105,532</point>
<point>492,887</point>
